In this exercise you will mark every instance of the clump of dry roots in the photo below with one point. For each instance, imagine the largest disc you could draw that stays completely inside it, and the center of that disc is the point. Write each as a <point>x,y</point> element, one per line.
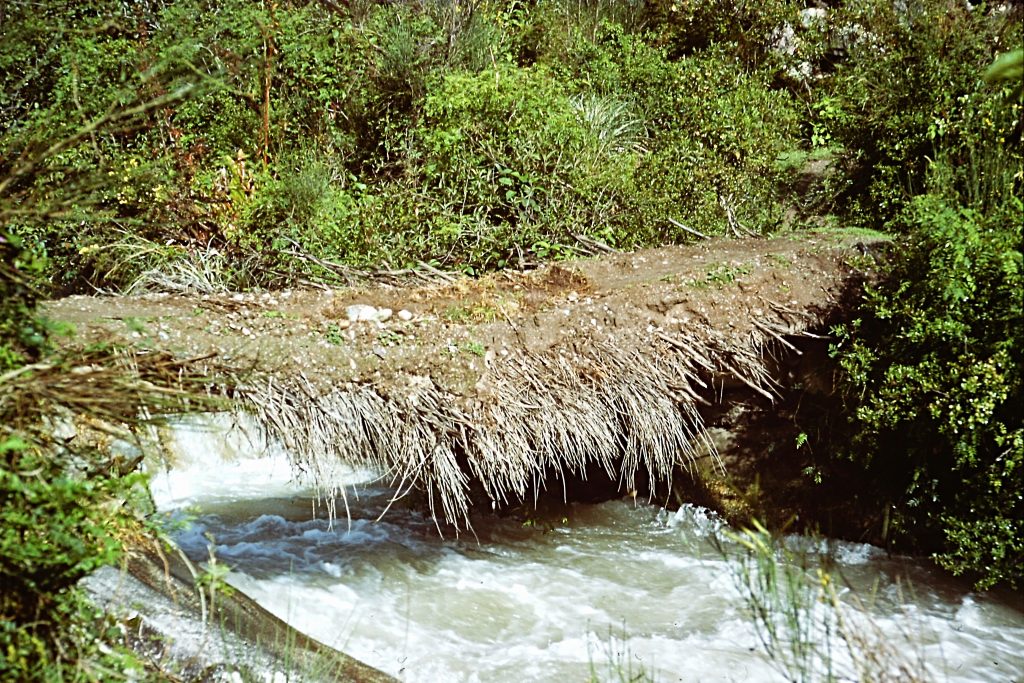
<point>630,408</point>
<point>113,390</point>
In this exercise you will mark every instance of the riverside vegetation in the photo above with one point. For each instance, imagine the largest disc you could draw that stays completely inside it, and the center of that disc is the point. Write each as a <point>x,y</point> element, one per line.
<point>217,145</point>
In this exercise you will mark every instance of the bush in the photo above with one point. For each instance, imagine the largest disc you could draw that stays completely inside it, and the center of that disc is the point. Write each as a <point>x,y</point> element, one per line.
<point>750,30</point>
<point>910,87</point>
<point>933,367</point>
<point>22,335</point>
<point>56,526</point>
<point>514,158</point>
<point>934,371</point>
<point>473,135</point>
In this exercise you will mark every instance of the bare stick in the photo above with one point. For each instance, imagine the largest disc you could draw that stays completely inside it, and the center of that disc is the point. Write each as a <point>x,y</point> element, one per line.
<point>676,223</point>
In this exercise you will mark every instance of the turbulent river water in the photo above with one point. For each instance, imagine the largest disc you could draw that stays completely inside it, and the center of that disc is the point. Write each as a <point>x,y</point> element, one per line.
<point>584,592</point>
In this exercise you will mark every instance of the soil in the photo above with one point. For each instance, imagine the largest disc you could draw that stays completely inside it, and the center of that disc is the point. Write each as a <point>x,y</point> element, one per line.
<point>777,296</point>
<point>456,328</point>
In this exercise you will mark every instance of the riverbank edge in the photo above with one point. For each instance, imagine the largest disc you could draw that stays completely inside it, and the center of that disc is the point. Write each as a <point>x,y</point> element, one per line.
<point>191,628</point>
<point>718,390</point>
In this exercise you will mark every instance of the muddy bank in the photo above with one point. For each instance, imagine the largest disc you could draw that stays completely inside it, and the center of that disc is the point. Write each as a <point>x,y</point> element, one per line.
<point>636,374</point>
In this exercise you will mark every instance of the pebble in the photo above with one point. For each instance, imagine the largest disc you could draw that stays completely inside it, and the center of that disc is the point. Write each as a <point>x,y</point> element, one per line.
<point>383,314</point>
<point>404,315</point>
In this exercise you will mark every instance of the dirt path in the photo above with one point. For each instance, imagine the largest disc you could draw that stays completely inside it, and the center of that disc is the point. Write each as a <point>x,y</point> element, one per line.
<point>735,288</point>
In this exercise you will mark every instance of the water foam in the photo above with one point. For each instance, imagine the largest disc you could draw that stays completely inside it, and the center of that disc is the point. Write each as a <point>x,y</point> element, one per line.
<point>593,587</point>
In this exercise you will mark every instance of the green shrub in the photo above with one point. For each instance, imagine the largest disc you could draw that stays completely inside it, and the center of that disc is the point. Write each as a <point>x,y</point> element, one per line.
<point>934,370</point>
<point>322,82</point>
<point>74,641</point>
<point>22,335</point>
<point>910,87</point>
<point>513,156</point>
<point>311,202</point>
<point>749,30</point>
<point>56,526</point>
<point>717,132</point>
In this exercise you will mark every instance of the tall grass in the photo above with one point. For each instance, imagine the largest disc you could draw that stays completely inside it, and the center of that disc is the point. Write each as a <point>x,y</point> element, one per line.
<point>614,662</point>
<point>811,627</point>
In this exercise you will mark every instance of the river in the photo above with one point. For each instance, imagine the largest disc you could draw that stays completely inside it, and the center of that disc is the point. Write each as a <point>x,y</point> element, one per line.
<point>581,592</point>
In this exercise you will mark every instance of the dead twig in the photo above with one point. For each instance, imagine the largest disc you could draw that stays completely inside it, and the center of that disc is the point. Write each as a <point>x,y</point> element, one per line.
<point>688,229</point>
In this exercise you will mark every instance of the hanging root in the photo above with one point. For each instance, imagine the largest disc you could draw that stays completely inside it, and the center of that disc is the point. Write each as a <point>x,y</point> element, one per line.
<point>631,409</point>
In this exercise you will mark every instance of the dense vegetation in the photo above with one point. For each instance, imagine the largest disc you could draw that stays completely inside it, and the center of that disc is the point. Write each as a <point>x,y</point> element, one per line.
<point>55,526</point>
<point>207,144</point>
<point>467,135</point>
<point>263,139</point>
<point>933,365</point>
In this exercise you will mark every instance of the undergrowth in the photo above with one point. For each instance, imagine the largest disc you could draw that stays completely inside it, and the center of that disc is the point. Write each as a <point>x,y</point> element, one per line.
<point>68,503</point>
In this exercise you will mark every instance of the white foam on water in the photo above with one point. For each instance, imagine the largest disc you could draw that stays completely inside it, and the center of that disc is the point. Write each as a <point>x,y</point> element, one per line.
<point>599,588</point>
<point>222,457</point>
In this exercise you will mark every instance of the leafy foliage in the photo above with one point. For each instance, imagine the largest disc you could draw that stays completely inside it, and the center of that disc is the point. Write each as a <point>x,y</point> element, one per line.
<point>22,335</point>
<point>935,377</point>
<point>320,132</point>
<point>55,526</point>
<point>749,30</point>
<point>910,87</point>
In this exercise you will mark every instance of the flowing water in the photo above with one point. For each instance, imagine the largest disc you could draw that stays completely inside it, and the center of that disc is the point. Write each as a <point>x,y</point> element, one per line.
<point>608,590</point>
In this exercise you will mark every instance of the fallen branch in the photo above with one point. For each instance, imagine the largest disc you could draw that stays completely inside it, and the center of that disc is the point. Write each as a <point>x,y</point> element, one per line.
<point>690,230</point>
<point>595,244</point>
<point>782,340</point>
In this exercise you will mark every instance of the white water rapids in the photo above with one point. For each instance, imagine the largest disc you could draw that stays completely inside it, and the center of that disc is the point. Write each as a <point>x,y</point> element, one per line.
<point>588,592</point>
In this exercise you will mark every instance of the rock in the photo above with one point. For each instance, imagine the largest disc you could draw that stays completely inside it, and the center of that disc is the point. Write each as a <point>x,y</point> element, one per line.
<point>64,429</point>
<point>361,313</point>
<point>383,314</point>
<point>404,315</point>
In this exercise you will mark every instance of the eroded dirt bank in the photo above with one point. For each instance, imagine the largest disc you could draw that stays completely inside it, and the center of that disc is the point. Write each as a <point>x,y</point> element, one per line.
<point>678,364</point>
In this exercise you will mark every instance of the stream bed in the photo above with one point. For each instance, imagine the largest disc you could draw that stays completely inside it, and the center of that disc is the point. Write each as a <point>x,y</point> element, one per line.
<point>582,592</point>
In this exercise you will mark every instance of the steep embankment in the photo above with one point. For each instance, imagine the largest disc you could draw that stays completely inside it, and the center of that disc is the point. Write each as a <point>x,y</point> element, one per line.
<point>622,370</point>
